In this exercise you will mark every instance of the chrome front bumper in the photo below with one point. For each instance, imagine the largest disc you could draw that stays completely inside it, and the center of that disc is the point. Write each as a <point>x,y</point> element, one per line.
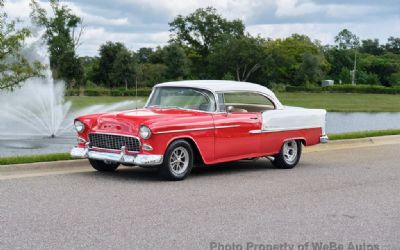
<point>324,139</point>
<point>138,159</point>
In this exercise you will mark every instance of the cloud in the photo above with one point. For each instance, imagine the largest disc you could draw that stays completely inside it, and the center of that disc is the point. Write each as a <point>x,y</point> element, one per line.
<point>94,37</point>
<point>325,32</point>
<point>140,23</point>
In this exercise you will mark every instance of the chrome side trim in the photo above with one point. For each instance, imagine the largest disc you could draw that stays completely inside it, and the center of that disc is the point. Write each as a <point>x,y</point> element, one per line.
<point>227,126</point>
<point>183,130</point>
<point>195,129</point>
<point>260,131</point>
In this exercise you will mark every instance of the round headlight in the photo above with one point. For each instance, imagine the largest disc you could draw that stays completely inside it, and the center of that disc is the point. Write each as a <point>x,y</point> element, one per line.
<point>144,132</point>
<point>79,126</point>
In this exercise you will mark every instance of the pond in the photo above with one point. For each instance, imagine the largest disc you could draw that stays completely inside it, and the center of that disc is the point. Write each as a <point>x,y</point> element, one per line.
<point>336,123</point>
<point>339,122</point>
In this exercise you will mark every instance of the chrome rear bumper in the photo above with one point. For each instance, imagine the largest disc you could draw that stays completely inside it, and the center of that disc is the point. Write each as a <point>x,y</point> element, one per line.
<point>138,159</point>
<point>324,139</point>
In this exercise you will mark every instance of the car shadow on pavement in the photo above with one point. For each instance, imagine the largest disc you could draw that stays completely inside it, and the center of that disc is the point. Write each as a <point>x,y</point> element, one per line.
<point>151,174</point>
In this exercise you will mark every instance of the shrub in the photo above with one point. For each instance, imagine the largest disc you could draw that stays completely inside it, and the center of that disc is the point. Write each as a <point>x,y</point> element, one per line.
<point>72,92</point>
<point>365,89</point>
<point>96,92</point>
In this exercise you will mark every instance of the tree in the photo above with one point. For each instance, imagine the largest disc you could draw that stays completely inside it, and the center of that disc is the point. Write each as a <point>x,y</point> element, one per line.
<point>340,61</point>
<point>203,29</point>
<point>310,70</point>
<point>63,32</point>
<point>371,47</point>
<point>108,55</point>
<point>123,68</point>
<point>144,55</point>
<point>347,40</point>
<point>240,57</point>
<point>149,74</point>
<point>286,57</point>
<point>14,67</point>
<point>175,59</point>
<point>393,45</point>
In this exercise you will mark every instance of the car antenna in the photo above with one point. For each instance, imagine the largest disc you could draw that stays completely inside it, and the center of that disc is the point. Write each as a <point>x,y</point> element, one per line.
<point>136,100</point>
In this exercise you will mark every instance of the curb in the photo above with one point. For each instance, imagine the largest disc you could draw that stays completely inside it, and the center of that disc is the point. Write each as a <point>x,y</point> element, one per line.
<point>355,143</point>
<point>332,145</point>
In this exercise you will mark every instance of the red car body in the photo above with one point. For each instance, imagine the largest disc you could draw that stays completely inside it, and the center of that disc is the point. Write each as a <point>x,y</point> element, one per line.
<point>215,137</point>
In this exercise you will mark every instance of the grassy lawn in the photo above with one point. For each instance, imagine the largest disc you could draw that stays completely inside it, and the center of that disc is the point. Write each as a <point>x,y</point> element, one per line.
<point>34,158</point>
<point>342,102</point>
<point>364,134</point>
<point>339,102</point>
<point>84,101</point>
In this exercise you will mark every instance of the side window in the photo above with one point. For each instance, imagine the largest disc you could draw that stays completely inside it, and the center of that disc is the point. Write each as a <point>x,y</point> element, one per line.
<point>247,102</point>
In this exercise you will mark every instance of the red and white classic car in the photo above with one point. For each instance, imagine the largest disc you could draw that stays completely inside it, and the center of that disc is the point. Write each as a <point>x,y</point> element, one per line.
<point>186,123</point>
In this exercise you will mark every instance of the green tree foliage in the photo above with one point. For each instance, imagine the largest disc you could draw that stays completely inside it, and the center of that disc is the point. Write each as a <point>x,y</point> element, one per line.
<point>108,55</point>
<point>205,45</point>
<point>150,74</point>
<point>144,55</point>
<point>290,59</point>
<point>393,45</point>
<point>203,29</point>
<point>174,57</point>
<point>63,32</point>
<point>123,68</point>
<point>240,57</point>
<point>372,47</point>
<point>347,40</point>
<point>14,67</point>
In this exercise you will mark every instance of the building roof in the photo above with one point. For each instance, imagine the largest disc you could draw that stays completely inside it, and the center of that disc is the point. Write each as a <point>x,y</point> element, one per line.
<point>224,86</point>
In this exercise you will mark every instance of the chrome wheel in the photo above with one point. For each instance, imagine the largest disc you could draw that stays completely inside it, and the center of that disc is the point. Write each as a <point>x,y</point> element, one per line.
<point>179,160</point>
<point>290,151</point>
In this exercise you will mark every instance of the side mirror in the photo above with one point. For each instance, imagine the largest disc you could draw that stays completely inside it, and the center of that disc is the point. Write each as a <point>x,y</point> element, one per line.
<point>230,109</point>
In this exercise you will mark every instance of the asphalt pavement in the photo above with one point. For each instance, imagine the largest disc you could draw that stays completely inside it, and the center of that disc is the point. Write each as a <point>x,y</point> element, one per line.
<point>348,197</point>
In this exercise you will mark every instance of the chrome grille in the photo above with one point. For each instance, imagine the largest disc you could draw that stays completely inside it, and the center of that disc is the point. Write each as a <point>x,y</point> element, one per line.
<point>111,141</point>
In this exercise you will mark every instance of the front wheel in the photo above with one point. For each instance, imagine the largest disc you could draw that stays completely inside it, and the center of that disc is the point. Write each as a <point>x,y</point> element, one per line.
<point>103,166</point>
<point>289,155</point>
<point>178,161</point>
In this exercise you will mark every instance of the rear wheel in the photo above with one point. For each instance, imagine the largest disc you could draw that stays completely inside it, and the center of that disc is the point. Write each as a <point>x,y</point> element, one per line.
<point>289,155</point>
<point>104,166</point>
<point>178,161</point>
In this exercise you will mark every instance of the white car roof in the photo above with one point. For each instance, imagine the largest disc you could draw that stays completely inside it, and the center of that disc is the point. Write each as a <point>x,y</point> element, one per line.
<point>224,86</point>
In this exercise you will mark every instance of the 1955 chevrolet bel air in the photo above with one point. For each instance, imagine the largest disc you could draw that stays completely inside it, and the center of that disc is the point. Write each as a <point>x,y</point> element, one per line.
<point>186,123</point>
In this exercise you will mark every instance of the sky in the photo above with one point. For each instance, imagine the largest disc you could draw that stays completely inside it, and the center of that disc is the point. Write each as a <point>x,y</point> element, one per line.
<point>144,23</point>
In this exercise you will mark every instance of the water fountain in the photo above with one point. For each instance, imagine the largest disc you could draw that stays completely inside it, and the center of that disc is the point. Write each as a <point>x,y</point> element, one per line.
<point>36,118</point>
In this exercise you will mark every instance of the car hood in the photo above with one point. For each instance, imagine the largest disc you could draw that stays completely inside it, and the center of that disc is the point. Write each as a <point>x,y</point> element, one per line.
<point>128,122</point>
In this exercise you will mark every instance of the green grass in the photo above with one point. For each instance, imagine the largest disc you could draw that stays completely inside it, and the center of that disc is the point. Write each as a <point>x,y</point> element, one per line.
<point>342,102</point>
<point>363,134</point>
<point>34,158</point>
<point>85,101</point>
<point>338,102</point>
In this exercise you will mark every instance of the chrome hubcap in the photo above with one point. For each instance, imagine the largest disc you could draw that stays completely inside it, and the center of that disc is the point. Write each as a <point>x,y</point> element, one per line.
<point>179,160</point>
<point>290,151</point>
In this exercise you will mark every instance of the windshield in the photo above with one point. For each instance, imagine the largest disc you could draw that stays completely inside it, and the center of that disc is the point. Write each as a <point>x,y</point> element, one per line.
<point>185,98</point>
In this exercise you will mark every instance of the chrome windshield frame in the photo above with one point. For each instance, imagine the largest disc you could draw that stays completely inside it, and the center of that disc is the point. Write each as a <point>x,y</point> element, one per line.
<point>216,108</point>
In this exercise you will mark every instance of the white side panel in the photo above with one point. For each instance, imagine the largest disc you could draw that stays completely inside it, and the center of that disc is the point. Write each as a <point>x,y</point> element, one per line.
<point>291,118</point>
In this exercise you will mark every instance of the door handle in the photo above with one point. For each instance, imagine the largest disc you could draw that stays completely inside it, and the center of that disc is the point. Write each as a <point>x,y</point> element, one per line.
<point>254,118</point>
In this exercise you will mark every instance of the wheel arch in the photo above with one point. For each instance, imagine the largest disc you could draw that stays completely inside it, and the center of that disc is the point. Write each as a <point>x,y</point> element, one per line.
<point>198,157</point>
<point>301,139</point>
